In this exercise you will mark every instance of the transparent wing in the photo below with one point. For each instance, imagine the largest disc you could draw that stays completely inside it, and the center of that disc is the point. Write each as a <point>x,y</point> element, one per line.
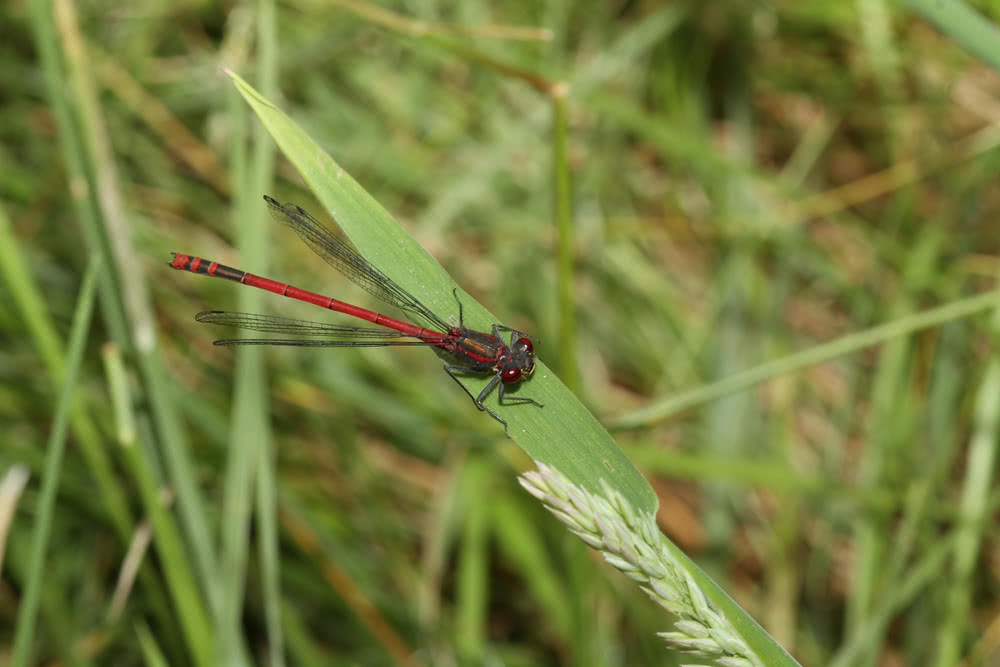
<point>284,325</point>
<point>339,254</point>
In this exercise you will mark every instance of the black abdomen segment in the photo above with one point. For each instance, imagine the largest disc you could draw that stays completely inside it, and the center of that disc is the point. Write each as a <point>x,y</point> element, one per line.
<point>206,267</point>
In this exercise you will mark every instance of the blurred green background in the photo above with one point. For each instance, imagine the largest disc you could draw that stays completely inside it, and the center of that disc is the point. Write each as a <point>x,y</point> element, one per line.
<point>748,181</point>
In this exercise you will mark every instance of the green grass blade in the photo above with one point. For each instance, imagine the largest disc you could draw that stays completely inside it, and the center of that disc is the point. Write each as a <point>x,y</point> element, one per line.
<point>125,302</point>
<point>563,433</point>
<point>563,214</point>
<point>250,438</point>
<point>151,652</point>
<point>974,526</point>
<point>670,405</point>
<point>971,30</point>
<point>24,288</point>
<point>134,438</point>
<point>471,583</point>
<point>24,634</point>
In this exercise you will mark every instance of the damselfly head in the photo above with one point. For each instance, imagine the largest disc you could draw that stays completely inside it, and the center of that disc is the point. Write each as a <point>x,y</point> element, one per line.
<point>521,362</point>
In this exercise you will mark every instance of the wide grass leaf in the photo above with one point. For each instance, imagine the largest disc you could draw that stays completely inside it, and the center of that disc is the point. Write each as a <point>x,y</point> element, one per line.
<point>563,434</point>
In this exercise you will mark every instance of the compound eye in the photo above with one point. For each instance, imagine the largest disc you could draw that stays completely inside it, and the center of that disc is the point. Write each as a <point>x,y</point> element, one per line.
<point>525,343</point>
<point>510,374</point>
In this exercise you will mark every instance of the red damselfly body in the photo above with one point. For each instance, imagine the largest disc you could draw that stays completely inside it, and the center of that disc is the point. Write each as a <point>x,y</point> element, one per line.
<point>475,351</point>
